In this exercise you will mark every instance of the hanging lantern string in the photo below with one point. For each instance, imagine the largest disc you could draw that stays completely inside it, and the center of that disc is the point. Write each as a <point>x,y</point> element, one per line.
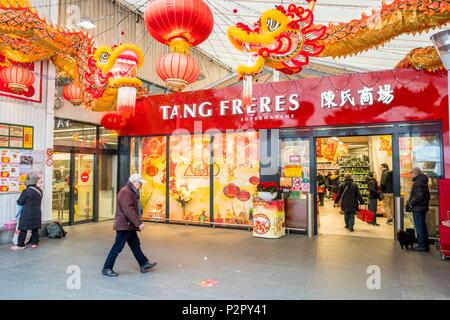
<point>221,29</point>
<point>123,19</point>
<point>58,4</point>
<point>241,18</point>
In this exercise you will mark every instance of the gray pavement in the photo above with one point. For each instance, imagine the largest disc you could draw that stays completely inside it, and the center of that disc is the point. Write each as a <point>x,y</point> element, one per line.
<point>293,267</point>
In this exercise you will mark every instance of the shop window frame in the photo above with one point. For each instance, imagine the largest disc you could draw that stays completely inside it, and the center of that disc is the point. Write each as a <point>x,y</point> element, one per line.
<point>394,129</point>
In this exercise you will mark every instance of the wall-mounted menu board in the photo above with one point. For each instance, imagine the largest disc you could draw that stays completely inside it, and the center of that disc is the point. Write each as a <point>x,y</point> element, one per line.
<point>16,136</point>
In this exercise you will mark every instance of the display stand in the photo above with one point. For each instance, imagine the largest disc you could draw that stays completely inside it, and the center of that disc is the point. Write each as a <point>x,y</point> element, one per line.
<point>268,219</point>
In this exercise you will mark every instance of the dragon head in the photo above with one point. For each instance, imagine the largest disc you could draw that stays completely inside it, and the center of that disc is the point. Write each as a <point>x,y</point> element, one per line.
<point>119,64</point>
<point>110,70</point>
<point>282,39</point>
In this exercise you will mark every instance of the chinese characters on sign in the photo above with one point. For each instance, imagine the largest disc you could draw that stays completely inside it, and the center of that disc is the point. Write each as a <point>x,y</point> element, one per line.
<point>366,97</point>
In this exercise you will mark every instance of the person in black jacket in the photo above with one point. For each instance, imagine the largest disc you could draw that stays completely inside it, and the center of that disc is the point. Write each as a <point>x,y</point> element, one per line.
<point>349,196</point>
<point>334,183</point>
<point>31,216</point>
<point>374,195</point>
<point>321,188</point>
<point>328,184</point>
<point>418,204</point>
<point>387,187</point>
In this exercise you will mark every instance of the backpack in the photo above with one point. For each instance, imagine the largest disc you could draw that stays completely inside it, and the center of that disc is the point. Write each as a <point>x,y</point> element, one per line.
<point>55,231</point>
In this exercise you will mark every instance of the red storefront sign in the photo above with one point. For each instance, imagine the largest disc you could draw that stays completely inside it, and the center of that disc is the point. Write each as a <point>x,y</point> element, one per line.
<point>366,98</point>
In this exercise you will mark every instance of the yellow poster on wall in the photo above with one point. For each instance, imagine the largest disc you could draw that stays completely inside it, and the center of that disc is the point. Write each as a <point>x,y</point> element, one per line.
<point>28,138</point>
<point>292,171</point>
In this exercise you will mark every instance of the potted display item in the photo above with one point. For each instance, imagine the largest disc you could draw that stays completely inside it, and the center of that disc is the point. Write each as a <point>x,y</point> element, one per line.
<point>267,191</point>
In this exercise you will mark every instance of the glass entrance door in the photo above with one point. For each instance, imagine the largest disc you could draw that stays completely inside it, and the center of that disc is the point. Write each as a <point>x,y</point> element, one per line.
<point>61,187</point>
<point>422,150</point>
<point>83,188</point>
<point>295,181</point>
<point>73,187</point>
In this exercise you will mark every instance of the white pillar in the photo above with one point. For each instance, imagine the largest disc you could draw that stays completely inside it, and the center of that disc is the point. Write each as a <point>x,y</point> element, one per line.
<point>49,121</point>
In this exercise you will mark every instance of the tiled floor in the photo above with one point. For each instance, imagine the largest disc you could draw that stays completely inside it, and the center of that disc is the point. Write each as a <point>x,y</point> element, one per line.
<point>293,267</point>
<point>332,222</point>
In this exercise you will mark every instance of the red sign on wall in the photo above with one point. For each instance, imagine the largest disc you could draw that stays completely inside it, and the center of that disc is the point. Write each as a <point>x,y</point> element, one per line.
<point>85,176</point>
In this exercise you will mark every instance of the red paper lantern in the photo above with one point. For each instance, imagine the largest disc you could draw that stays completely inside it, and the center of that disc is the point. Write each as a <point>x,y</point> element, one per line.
<point>18,79</point>
<point>74,94</point>
<point>151,169</point>
<point>231,191</point>
<point>177,70</point>
<point>112,121</point>
<point>179,23</point>
<point>244,196</point>
<point>154,148</point>
<point>254,180</point>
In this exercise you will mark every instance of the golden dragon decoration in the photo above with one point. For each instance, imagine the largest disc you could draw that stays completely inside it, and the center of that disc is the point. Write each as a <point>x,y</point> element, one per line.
<point>100,72</point>
<point>284,39</point>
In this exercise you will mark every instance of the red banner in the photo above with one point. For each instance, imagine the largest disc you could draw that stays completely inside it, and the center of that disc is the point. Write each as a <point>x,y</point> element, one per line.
<point>377,97</point>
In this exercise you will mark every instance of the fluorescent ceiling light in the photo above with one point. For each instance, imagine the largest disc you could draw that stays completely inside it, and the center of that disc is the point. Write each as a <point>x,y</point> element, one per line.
<point>86,24</point>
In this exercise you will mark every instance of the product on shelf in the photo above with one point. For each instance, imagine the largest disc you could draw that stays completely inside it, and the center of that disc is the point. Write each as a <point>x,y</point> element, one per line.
<point>359,169</point>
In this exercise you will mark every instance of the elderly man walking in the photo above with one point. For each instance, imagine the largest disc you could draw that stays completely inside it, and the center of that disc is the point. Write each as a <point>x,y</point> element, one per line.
<point>127,223</point>
<point>418,204</point>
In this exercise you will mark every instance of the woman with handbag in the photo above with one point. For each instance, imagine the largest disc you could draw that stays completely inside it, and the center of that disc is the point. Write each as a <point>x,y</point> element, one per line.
<point>31,216</point>
<point>374,196</point>
<point>349,197</point>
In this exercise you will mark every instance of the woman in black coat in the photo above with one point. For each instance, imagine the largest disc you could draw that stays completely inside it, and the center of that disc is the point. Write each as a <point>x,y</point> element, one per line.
<point>31,217</point>
<point>350,198</point>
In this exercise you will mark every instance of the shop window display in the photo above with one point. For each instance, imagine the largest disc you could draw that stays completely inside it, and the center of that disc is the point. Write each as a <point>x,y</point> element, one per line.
<point>236,174</point>
<point>425,152</point>
<point>189,188</point>
<point>153,170</point>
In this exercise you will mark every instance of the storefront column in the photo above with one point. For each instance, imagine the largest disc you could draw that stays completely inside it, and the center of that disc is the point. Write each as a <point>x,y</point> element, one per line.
<point>269,155</point>
<point>123,163</point>
<point>49,125</point>
<point>398,200</point>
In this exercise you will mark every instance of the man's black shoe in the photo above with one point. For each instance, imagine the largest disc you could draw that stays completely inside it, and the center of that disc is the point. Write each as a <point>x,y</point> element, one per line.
<point>109,273</point>
<point>146,267</point>
<point>351,229</point>
<point>418,249</point>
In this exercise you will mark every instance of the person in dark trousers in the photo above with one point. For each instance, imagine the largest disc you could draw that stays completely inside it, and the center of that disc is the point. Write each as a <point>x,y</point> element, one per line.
<point>31,217</point>
<point>328,184</point>
<point>334,184</point>
<point>349,195</point>
<point>374,195</point>
<point>418,204</point>
<point>127,223</point>
<point>321,188</point>
<point>387,187</point>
